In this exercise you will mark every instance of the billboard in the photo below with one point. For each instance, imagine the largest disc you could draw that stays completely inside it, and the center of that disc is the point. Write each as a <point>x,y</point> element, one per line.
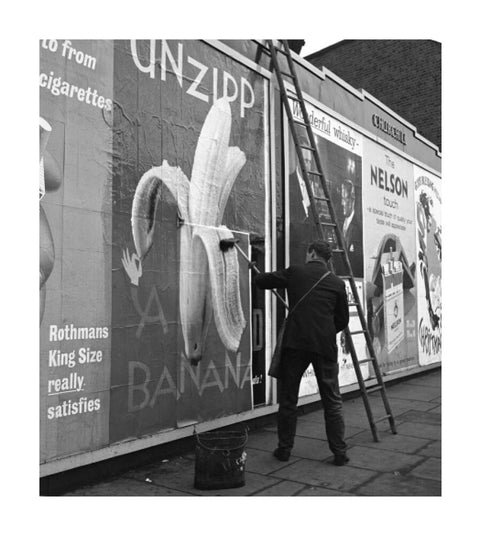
<point>390,252</point>
<point>153,171</point>
<point>428,204</point>
<point>76,103</point>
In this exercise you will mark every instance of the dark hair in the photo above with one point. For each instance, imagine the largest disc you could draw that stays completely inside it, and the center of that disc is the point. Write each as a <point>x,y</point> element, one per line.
<point>349,187</point>
<point>321,248</point>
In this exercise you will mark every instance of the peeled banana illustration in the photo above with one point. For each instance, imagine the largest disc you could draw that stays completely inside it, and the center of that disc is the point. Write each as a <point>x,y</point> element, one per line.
<point>209,277</point>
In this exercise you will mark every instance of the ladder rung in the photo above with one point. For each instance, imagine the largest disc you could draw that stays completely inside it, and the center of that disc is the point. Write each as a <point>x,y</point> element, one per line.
<point>287,74</point>
<point>383,418</point>
<point>353,304</point>
<point>325,199</point>
<point>345,277</point>
<point>307,147</point>
<point>340,251</point>
<point>314,173</point>
<point>374,388</point>
<point>293,97</point>
<point>327,224</point>
<point>365,360</point>
<point>300,122</point>
<point>358,332</point>
<point>280,49</point>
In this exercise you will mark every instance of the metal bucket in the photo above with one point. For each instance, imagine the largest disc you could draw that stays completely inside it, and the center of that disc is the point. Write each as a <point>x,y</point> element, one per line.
<point>220,460</point>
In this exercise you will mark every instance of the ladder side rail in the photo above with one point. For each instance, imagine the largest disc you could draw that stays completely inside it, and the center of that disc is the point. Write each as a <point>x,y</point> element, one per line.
<point>361,384</point>
<point>386,403</point>
<point>284,98</point>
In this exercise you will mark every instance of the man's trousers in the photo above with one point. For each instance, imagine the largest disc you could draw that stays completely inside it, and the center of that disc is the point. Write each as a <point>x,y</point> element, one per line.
<point>294,363</point>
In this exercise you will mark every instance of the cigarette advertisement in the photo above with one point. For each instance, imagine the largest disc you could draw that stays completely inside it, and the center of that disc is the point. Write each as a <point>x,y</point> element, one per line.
<point>153,173</point>
<point>76,103</point>
<point>428,204</point>
<point>390,257</point>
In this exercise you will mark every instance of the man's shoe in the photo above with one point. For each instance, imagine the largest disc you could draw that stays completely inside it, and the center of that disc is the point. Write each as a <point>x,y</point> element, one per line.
<point>281,454</point>
<point>340,460</point>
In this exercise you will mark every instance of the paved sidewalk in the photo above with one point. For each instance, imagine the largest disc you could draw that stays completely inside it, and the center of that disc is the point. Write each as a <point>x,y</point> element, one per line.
<point>406,464</point>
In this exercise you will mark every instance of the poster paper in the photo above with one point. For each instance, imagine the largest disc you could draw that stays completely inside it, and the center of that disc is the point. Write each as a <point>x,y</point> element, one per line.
<point>428,205</point>
<point>390,252</point>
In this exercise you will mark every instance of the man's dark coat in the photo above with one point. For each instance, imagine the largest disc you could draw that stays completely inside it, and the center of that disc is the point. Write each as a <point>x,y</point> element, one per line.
<point>324,312</point>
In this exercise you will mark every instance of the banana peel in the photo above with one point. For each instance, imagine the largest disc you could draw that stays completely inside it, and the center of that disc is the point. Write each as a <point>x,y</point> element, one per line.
<point>209,278</point>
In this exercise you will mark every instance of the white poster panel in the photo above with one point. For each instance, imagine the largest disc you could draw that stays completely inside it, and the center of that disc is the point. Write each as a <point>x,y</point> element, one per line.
<point>390,256</point>
<point>428,203</point>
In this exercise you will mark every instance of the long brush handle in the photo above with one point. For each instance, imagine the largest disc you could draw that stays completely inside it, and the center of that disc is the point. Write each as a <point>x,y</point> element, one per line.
<point>258,271</point>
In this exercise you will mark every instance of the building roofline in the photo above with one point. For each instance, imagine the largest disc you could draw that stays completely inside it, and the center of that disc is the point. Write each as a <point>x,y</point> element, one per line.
<point>320,52</point>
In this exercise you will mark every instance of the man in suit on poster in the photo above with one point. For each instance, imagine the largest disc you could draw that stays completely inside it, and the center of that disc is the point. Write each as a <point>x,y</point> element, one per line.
<point>352,228</point>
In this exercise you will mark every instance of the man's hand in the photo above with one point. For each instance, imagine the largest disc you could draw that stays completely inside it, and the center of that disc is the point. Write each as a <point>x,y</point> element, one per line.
<point>132,265</point>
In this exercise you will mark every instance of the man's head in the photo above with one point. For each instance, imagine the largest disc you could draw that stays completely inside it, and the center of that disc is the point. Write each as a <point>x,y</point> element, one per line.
<point>348,197</point>
<point>319,250</point>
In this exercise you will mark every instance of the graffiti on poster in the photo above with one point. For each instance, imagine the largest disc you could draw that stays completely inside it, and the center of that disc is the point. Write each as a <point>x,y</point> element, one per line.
<point>389,214</point>
<point>428,204</point>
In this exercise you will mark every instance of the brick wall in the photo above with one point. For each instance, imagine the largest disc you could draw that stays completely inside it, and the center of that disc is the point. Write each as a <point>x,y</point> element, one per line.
<point>403,74</point>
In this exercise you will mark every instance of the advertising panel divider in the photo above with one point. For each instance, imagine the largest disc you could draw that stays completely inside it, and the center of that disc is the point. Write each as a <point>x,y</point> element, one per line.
<point>157,160</point>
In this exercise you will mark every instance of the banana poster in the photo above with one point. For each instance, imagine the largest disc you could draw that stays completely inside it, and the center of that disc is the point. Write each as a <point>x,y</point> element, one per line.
<point>153,173</point>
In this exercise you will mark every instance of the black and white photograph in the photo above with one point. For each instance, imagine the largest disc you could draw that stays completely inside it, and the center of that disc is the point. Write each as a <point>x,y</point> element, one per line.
<point>242,273</point>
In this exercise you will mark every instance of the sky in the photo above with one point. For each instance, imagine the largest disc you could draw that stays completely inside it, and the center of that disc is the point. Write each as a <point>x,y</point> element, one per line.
<point>314,44</point>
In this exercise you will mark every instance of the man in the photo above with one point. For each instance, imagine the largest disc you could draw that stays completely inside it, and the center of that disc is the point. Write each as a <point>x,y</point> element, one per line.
<point>310,337</point>
<point>352,229</point>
